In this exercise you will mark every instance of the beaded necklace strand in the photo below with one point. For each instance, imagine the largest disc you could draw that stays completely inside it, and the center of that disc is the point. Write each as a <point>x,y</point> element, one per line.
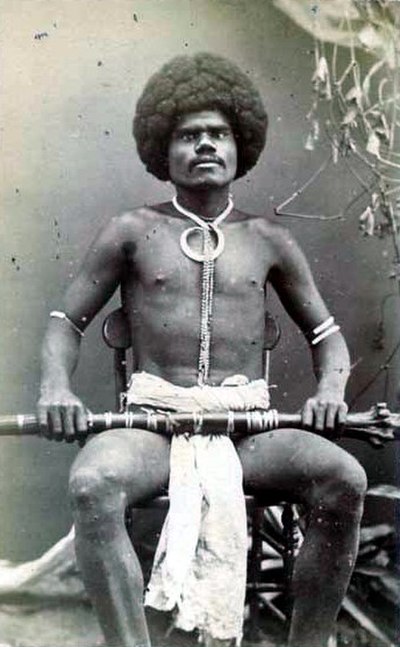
<point>207,258</point>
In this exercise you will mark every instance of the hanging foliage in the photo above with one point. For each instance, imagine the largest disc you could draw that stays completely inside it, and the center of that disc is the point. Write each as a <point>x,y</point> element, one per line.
<point>365,24</point>
<point>362,98</point>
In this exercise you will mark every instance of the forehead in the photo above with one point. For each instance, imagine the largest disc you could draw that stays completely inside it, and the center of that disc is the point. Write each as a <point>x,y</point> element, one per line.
<point>203,119</point>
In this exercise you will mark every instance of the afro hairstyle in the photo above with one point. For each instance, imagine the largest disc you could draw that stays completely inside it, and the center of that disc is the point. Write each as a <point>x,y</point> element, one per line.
<point>191,84</point>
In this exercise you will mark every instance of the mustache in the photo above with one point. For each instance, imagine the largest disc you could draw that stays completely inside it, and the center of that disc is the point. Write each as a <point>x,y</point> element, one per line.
<point>204,159</point>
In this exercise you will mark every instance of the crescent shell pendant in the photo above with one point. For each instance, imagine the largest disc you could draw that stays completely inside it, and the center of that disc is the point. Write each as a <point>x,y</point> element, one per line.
<point>196,256</point>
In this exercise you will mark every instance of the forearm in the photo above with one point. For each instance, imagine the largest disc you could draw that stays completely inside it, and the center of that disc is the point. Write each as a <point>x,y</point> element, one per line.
<point>60,352</point>
<point>331,363</point>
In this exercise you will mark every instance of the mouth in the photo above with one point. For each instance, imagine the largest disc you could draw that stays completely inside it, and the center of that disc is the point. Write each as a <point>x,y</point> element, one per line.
<point>206,163</point>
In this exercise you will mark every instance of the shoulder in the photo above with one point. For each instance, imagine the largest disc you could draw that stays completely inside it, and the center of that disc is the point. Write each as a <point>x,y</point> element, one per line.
<point>128,225</point>
<point>273,233</point>
<point>264,225</point>
<point>132,219</point>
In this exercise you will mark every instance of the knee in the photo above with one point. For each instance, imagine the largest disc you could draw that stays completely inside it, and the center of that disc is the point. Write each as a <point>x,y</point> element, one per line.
<point>93,488</point>
<point>352,478</point>
<point>343,491</point>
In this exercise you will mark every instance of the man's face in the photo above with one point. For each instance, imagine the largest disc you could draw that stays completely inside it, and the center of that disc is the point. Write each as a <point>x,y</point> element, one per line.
<point>202,151</point>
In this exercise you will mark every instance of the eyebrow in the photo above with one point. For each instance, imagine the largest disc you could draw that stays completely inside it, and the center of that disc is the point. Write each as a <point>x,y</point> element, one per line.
<point>196,129</point>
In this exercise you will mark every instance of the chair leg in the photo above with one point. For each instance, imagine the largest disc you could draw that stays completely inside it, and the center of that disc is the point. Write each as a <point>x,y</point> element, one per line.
<point>253,631</point>
<point>290,543</point>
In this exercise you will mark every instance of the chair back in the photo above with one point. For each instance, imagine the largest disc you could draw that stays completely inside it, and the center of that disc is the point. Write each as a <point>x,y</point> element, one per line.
<point>117,335</point>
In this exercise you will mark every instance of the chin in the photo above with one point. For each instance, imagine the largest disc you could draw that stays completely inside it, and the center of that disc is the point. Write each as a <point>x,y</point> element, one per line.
<point>208,184</point>
<point>209,180</point>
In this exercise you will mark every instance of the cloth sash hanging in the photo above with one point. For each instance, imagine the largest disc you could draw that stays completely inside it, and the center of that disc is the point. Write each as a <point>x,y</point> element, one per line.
<point>199,568</point>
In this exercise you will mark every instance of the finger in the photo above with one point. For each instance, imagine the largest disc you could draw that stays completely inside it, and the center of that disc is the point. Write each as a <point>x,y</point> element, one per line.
<point>307,414</point>
<point>55,423</point>
<point>331,416</point>
<point>81,419</point>
<point>67,415</point>
<point>342,413</point>
<point>320,415</point>
<point>81,425</point>
<point>42,420</point>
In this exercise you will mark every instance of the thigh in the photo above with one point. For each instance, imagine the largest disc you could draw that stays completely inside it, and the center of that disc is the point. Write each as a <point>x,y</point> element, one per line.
<point>133,461</point>
<point>290,464</point>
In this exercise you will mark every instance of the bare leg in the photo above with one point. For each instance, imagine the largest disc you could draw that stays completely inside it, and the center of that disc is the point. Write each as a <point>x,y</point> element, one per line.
<point>113,470</point>
<point>300,466</point>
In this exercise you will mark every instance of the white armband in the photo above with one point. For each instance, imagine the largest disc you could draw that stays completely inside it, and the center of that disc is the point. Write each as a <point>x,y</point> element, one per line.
<point>328,327</point>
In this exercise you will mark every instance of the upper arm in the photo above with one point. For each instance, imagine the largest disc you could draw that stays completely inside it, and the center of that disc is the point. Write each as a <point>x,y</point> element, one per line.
<point>292,279</point>
<point>99,275</point>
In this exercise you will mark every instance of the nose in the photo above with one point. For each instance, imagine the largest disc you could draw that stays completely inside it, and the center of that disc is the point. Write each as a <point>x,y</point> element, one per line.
<point>205,142</point>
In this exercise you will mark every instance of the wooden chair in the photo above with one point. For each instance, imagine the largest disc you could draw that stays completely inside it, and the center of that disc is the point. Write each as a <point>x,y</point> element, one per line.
<point>116,334</point>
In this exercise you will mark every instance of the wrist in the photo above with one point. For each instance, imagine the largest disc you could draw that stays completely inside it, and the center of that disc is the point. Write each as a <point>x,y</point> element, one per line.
<point>327,391</point>
<point>333,383</point>
<point>54,383</point>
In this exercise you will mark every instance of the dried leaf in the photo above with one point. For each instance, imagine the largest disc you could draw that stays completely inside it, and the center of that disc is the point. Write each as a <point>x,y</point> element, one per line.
<point>390,587</point>
<point>364,621</point>
<point>367,222</point>
<point>375,200</point>
<point>354,95</point>
<point>315,129</point>
<point>309,145</point>
<point>326,91</point>
<point>350,117</point>
<point>373,144</point>
<point>375,113</point>
<point>375,557</point>
<point>321,79</point>
<point>367,552</point>
<point>347,142</point>
<point>382,128</point>
<point>370,571</point>
<point>335,149</point>
<point>379,531</point>
<point>322,70</point>
<point>387,491</point>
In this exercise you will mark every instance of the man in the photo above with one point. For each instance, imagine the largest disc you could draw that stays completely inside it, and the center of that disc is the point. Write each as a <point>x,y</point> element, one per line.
<point>195,299</point>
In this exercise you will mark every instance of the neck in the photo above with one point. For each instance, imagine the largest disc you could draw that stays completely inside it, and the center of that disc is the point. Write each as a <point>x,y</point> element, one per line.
<point>206,204</point>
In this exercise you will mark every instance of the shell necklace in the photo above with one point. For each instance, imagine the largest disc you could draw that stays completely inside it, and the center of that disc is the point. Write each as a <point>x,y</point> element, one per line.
<point>207,258</point>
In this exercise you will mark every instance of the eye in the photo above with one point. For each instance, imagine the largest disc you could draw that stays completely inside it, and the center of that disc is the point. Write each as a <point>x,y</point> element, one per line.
<point>220,133</point>
<point>187,136</point>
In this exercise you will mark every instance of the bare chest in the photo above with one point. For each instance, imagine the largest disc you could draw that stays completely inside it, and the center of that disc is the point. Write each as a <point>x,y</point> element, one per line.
<point>159,265</point>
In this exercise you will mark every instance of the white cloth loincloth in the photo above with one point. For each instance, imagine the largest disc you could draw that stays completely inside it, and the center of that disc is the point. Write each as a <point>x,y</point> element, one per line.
<point>199,568</point>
